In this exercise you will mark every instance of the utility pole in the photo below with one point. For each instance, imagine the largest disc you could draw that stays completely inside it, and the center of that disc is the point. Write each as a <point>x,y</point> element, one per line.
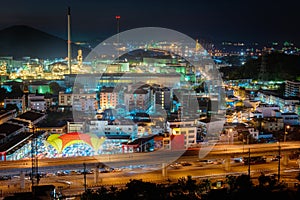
<point>279,156</point>
<point>34,161</point>
<point>249,162</point>
<point>84,176</point>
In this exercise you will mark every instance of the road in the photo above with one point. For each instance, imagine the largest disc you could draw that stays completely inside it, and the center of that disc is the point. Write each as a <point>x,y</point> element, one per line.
<point>154,174</point>
<point>148,166</point>
<point>158,157</point>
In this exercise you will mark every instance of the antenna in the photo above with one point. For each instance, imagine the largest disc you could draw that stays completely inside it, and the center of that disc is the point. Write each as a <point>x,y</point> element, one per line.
<point>262,76</point>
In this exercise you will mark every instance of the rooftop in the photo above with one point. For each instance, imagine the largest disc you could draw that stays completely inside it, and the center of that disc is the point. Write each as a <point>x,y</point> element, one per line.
<point>107,90</point>
<point>32,116</point>
<point>289,114</point>
<point>7,128</point>
<point>14,144</point>
<point>271,92</point>
<point>262,105</point>
<point>16,121</point>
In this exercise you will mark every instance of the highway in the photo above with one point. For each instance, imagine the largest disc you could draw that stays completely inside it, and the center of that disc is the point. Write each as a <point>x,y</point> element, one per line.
<point>152,158</point>
<point>148,166</point>
<point>72,184</point>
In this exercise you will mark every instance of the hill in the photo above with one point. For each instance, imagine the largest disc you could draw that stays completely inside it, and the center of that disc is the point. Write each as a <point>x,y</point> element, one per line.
<point>19,41</point>
<point>278,66</point>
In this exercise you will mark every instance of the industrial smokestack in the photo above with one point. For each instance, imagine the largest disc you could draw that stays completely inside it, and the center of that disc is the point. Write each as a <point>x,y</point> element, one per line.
<point>118,17</point>
<point>69,40</point>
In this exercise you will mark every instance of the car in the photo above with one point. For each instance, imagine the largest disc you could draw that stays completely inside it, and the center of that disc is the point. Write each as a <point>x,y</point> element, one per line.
<point>185,163</point>
<point>5,177</point>
<point>205,161</point>
<point>176,165</point>
<point>275,158</point>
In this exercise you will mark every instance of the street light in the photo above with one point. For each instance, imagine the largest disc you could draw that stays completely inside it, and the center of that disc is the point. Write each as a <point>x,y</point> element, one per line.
<point>229,134</point>
<point>286,132</point>
<point>279,156</point>
<point>279,148</point>
<point>245,140</point>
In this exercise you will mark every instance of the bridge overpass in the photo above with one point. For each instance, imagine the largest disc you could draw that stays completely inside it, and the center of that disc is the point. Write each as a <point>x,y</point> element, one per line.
<point>160,157</point>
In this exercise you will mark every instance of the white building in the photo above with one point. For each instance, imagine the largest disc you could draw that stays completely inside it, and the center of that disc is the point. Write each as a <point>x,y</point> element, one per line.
<point>285,103</point>
<point>137,99</point>
<point>254,133</point>
<point>189,133</point>
<point>267,109</point>
<point>80,102</point>
<point>37,102</point>
<point>75,127</point>
<point>256,114</point>
<point>251,103</point>
<point>292,88</point>
<point>18,101</point>
<point>102,128</point>
<point>186,128</point>
<point>85,104</point>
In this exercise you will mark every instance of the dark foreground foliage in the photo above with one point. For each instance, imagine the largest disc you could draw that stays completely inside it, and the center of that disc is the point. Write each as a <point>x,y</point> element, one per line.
<point>234,188</point>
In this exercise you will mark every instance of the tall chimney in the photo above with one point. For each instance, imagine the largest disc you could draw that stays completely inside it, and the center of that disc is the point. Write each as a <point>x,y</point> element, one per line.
<point>69,40</point>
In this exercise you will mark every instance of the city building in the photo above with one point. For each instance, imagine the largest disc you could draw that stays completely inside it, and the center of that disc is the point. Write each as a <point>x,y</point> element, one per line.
<point>118,129</point>
<point>182,130</point>
<point>18,101</point>
<point>85,103</point>
<point>251,104</point>
<point>31,117</point>
<point>256,114</point>
<point>37,102</point>
<point>162,98</point>
<point>290,118</point>
<point>292,88</point>
<point>6,115</point>
<point>267,109</point>
<point>269,124</point>
<point>285,103</point>
<point>108,98</point>
<point>138,99</point>
<point>80,102</point>
<point>143,144</point>
<point>75,127</point>
<point>9,130</point>
<point>189,135</point>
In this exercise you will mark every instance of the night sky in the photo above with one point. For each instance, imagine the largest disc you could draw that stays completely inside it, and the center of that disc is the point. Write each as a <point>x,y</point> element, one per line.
<point>216,20</point>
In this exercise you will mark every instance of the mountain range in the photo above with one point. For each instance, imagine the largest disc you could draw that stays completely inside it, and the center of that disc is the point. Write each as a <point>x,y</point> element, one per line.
<point>25,41</point>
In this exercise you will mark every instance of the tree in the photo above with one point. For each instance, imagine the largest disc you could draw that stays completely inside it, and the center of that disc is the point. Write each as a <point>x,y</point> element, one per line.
<point>243,182</point>
<point>3,93</point>
<point>88,195</point>
<point>54,88</point>
<point>230,180</point>
<point>298,177</point>
<point>206,184</point>
<point>262,180</point>
<point>12,107</point>
<point>16,89</point>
